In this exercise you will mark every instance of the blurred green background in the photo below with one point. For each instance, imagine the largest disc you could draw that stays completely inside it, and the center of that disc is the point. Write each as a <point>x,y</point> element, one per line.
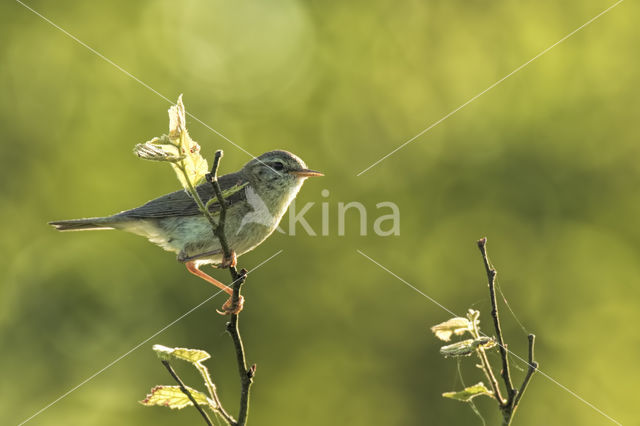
<point>545,165</point>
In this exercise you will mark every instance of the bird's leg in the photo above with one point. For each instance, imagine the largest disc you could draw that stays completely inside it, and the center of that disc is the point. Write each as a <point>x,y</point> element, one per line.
<point>229,262</point>
<point>228,307</point>
<point>191,267</point>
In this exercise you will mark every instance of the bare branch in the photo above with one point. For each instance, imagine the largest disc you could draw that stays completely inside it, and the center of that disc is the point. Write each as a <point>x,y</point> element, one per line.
<point>533,367</point>
<point>491,275</point>
<point>246,374</point>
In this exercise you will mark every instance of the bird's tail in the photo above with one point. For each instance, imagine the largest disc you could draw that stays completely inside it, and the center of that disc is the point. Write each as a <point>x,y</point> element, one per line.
<point>89,224</point>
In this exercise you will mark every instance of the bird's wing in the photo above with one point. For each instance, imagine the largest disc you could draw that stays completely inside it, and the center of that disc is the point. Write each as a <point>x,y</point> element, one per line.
<point>180,203</point>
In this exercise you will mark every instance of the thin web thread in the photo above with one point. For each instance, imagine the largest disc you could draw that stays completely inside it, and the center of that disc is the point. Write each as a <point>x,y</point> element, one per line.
<point>490,87</point>
<point>471,403</point>
<point>60,398</point>
<point>506,349</point>
<point>142,83</point>
<point>513,314</point>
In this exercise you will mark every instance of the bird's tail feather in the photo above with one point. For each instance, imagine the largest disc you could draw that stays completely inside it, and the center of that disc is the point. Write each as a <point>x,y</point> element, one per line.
<point>89,224</point>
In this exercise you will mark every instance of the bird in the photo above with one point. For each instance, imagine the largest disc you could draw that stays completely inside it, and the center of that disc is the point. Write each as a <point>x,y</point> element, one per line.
<point>257,197</point>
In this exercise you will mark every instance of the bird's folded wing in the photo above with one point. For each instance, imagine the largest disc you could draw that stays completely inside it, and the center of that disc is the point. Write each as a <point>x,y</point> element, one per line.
<point>180,203</point>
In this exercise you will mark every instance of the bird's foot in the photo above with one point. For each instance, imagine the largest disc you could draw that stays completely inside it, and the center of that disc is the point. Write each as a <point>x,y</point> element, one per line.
<point>228,308</point>
<point>229,262</point>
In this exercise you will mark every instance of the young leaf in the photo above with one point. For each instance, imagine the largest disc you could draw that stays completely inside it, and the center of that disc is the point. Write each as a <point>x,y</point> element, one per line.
<point>457,326</point>
<point>473,315</point>
<point>193,356</point>
<point>157,150</point>
<point>177,148</point>
<point>193,164</point>
<point>173,397</point>
<point>467,347</point>
<point>190,355</point>
<point>469,393</point>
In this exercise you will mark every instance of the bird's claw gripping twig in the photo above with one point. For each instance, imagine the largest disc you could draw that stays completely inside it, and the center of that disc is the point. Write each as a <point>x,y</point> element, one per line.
<point>230,261</point>
<point>228,308</point>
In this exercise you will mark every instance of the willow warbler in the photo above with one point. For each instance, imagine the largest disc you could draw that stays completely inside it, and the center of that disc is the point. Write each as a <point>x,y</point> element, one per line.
<point>257,196</point>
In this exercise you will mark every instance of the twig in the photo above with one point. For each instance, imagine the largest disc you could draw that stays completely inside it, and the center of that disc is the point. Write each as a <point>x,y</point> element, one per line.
<point>514,396</point>
<point>212,178</point>
<point>213,391</point>
<point>246,374</point>
<point>506,374</point>
<point>533,366</point>
<point>486,367</point>
<point>184,390</point>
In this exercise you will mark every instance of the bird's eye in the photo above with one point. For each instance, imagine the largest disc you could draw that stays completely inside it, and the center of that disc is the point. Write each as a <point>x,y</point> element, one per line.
<point>278,166</point>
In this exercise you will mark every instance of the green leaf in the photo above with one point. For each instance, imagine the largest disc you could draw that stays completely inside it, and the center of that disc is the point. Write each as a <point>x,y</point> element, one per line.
<point>154,150</point>
<point>457,326</point>
<point>194,165</point>
<point>190,355</point>
<point>469,393</point>
<point>193,356</point>
<point>177,148</point>
<point>467,347</point>
<point>173,397</point>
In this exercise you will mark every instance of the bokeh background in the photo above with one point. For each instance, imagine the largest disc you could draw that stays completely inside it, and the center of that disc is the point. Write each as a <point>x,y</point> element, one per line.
<point>545,165</point>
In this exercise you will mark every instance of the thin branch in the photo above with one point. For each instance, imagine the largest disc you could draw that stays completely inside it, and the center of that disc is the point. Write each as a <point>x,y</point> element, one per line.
<point>184,390</point>
<point>246,374</point>
<point>213,392</point>
<point>533,367</point>
<point>489,373</point>
<point>238,279</point>
<point>491,275</point>
<point>486,367</point>
<point>223,413</point>
<point>212,178</point>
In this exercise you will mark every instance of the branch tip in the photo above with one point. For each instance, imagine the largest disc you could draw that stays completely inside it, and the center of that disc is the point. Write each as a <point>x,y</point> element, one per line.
<point>213,175</point>
<point>252,371</point>
<point>533,367</point>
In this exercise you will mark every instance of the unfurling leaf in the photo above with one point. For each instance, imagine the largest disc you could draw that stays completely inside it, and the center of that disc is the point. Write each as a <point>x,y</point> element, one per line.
<point>457,326</point>
<point>177,148</point>
<point>473,315</point>
<point>190,355</point>
<point>154,150</point>
<point>173,397</point>
<point>195,166</point>
<point>467,347</point>
<point>469,393</point>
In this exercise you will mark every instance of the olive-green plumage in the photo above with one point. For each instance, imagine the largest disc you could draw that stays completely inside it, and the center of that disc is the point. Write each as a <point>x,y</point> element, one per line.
<point>257,197</point>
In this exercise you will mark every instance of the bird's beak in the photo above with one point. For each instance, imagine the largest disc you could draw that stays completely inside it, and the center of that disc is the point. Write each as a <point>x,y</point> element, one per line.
<point>305,173</point>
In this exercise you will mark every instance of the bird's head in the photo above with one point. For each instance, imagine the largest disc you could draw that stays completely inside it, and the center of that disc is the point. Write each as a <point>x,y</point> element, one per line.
<point>277,170</point>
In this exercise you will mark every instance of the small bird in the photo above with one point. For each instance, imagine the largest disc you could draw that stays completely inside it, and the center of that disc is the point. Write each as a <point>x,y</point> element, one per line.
<point>257,197</point>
